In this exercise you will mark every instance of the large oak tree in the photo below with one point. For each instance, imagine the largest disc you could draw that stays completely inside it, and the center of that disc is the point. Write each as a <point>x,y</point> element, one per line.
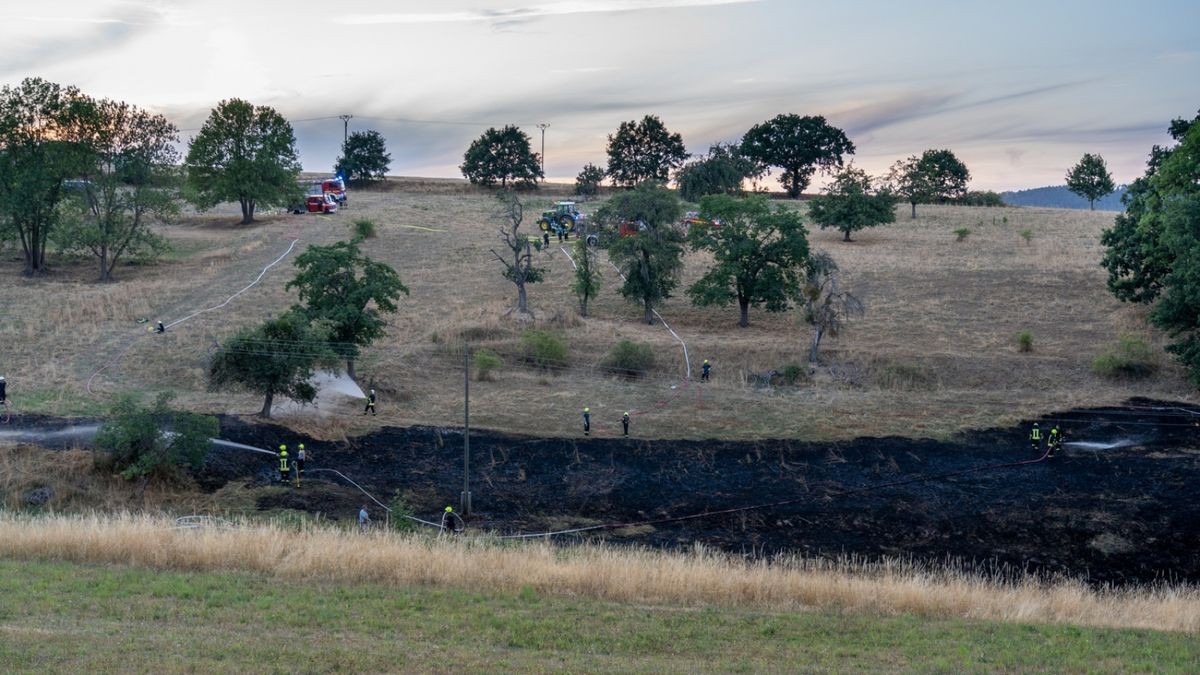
<point>798,145</point>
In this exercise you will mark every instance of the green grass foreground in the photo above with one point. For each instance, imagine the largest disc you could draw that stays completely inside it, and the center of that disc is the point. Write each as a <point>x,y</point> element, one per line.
<point>62,617</point>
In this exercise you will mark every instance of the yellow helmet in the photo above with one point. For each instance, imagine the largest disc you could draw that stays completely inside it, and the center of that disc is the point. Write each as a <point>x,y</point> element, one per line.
<point>283,447</point>
<point>449,509</point>
<point>587,410</point>
<point>627,413</point>
<point>301,446</point>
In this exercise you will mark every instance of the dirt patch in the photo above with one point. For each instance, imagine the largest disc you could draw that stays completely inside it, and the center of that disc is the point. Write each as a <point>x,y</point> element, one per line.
<point>1116,515</point>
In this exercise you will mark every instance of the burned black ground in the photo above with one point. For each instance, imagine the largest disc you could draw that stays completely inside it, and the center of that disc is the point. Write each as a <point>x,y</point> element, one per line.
<point>1122,514</point>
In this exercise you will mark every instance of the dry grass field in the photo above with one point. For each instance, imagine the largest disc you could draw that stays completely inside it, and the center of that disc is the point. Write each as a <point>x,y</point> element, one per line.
<point>934,354</point>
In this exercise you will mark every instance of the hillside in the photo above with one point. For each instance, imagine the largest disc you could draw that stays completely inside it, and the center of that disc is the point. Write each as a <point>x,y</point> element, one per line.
<point>1059,197</point>
<point>934,353</point>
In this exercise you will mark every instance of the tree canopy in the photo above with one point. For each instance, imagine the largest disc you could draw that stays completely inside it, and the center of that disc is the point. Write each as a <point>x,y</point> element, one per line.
<point>1153,249</point>
<point>644,151</point>
<point>129,181</point>
<point>1090,179</point>
<point>722,171</point>
<point>759,254</point>
<point>798,145</point>
<point>851,203</point>
<point>501,156</point>
<point>43,143</point>
<point>364,157</point>
<point>348,294</point>
<point>587,183</point>
<point>651,257</point>
<point>243,153</point>
<point>278,356</point>
<point>937,175</point>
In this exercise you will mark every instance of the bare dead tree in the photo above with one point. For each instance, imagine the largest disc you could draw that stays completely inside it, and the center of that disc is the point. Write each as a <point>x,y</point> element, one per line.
<point>518,256</point>
<point>827,307</point>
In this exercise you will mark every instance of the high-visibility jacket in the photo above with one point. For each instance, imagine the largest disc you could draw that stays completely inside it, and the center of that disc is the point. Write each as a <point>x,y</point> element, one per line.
<point>1036,434</point>
<point>283,462</point>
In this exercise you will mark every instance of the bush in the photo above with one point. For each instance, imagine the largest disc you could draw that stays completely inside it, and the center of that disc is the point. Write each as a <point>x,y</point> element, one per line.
<point>140,445</point>
<point>1027,234</point>
<point>1130,357</point>
<point>400,517</point>
<point>364,228</point>
<point>587,183</point>
<point>486,363</point>
<point>793,373</point>
<point>980,198</point>
<point>630,359</point>
<point>1024,341</point>
<point>961,234</point>
<point>544,349</point>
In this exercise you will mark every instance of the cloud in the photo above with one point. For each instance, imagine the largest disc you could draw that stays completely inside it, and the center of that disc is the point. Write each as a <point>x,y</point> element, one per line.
<point>514,15</point>
<point>93,35</point>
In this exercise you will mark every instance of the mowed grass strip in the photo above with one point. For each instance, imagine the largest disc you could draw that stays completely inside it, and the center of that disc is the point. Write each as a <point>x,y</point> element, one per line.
<point>68,617</point>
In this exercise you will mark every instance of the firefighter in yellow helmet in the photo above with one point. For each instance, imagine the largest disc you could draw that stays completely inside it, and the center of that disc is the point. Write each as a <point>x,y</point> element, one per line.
<point>587,421</point>
<point>625,424</point>
<point>285,468</point>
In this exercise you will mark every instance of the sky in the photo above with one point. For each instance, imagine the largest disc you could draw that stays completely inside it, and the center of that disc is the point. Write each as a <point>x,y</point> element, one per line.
<point>1018,90</point>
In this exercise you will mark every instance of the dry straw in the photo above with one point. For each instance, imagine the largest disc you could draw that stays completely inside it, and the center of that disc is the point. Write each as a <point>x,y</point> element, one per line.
<point>610,573</point>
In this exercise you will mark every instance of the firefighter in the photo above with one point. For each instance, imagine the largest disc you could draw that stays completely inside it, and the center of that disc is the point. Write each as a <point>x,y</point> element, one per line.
<point>704,371</point>
<point>1035,438</point>
<point>285,469</point>
<point>160,328</point>
<point>370,404</point>
<point>546,239</point>
<point>364,518</point>
<point>449,517</point>
<point>1054,442</point>
<point>625,424</point>
<point>587,421</point>
<point>4,396</point>
<point>300,457</point>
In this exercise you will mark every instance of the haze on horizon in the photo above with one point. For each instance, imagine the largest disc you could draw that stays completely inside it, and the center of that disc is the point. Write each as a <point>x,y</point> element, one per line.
<point>1018,90</point>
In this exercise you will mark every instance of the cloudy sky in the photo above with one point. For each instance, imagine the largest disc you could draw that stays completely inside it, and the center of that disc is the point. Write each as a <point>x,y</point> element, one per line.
<point>1019,90</point>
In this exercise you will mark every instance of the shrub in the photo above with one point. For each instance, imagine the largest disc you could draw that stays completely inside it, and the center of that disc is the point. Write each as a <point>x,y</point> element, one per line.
<point>400,519</point>
<point>1130,357</point>
<point>544,349</point>
<point>1024,341</point>
<point>961,234</point>
<point>630,359</point>
<point>1027,234</point>
<point>980,198</point>
<point>486,363</point>
<point>139,445</point>
<point>793,373</point>
<point>364,228</point>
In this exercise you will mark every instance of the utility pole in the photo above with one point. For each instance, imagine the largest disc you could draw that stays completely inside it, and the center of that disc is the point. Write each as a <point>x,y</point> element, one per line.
<point>345,127</point>
<point>465,498</point>
<point>543,126</point>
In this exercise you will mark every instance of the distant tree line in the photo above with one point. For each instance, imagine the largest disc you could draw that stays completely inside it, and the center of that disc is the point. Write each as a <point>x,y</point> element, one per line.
<point>1061,197</point>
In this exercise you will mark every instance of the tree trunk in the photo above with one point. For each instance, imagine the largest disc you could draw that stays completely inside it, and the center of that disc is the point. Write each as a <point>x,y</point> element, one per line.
<point>744,305</point>
<point>522,299</point>
<point>816,344</point>
<point>847,235</point>
<point>266,409</point>
<point>350,370</point>
<point>1091,205</point>
<point>247,211</point>
<point>914,211</point>
<point>649,315</point>
<point>105,272</point>
<point>583,307</point>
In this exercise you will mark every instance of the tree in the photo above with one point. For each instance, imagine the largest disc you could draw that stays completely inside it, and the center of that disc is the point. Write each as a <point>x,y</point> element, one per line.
<point>276,357</point>
<point>518,258</point>
<point>642,151</point>
<point>851,203</point>
<point>155,441</point>
<point>243,153</point>
<point>42,145</point>
<point>1153,251</point>
<point>1090,179</point>
<point>364,157</point>
<point>347,293</point>
<point>798,145</point>
<point>722,171</point>
<point>587,275</point>
<point>827,307</point>
<point>759,254</point>
<point>935,175</point>
<point>129,182</point>
<point>587,183</point>
<point>652,257</point>
<point>501,155</point>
